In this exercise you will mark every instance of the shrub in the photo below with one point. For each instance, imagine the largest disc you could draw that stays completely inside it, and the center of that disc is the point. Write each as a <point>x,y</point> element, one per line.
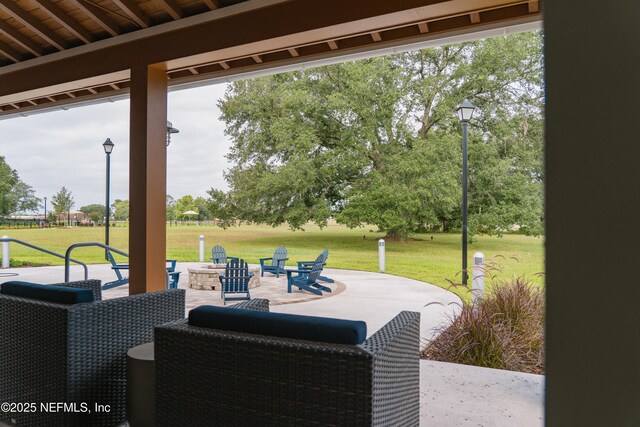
<point>16,263</point>
<point>504,330</point>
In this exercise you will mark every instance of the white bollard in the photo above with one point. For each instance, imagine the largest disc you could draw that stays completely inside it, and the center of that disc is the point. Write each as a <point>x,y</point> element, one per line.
<point>477,283</point>
<point>201,248</point>
<point>5,253</point>
<point>381,265</point>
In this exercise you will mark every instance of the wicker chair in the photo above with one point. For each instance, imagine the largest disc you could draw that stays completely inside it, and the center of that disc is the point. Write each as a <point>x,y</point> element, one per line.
<point>209,377</point>
<point>75,353</point>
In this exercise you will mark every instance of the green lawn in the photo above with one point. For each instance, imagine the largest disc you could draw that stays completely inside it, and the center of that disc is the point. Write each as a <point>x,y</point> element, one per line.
<point>430,260</point>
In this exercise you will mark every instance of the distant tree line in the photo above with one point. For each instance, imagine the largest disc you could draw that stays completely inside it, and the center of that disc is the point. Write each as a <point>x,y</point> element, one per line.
<point>15,194</point>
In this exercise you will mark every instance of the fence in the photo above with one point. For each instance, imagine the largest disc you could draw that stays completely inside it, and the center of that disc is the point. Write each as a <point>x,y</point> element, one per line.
<point>13,223</point>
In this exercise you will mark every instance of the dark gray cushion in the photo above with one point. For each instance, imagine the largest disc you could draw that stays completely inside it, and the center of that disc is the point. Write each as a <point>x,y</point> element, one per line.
<point>58,294</point>
<point>338,331</point>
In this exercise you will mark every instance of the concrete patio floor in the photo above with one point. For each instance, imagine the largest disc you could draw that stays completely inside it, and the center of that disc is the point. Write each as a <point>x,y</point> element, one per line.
<point>450,394</point>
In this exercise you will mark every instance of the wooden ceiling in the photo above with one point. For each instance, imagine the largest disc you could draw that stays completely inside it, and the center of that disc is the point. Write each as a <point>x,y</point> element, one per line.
<point>59,52</point>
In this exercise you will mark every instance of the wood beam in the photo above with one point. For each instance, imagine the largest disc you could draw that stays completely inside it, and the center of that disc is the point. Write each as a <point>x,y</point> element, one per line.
<point>33,24</point>
<point>21,39</point>
<point>10,52</point>
<point>214,37</point>
<point>376,36</point>
<point>224,65</point>
<point>172,8</point>
<point>212,4</point>
<point>534,6</point>
<point>98,16</point>
<point>475,17</point>
<point>423,27</point>
<point>66,21</point>
<point>332,45</point>
<point>132,10</point>
<point>147,182</point>
<point>294,52</point>
<point>257,59</point>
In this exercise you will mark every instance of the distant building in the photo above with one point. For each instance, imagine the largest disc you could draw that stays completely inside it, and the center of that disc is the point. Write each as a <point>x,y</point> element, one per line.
<point>74,218</point>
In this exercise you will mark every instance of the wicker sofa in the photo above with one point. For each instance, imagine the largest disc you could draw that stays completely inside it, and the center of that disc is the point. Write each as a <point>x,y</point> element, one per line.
<point>212,377</point>
<point>75,354</point>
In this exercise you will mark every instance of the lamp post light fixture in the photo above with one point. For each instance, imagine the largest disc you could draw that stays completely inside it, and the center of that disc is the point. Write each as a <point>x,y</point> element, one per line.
<point>465,113</point>
<point>170,130</point>
<point>108,148</point>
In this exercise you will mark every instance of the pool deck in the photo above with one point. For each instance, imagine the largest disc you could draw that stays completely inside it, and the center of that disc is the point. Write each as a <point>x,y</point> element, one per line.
<point>450,394</point>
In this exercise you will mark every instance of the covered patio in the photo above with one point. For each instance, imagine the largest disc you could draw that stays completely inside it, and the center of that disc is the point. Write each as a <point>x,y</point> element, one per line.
<point>54,54</point>
<point>450,394</point>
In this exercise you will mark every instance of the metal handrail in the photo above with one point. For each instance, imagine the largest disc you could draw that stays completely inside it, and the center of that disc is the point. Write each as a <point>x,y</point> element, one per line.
<point>82,245</point>
<point>47,251</point>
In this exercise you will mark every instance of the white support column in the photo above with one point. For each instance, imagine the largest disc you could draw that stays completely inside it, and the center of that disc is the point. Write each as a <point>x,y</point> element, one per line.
<point>477,283</point>
<point>5,253</point>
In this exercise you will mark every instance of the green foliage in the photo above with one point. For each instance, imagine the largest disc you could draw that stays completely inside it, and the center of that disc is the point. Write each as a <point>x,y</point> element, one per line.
<point>202,207</point>
<point>63,201</point>
<point>377,141</point>
<point>96,207</point>
<point>16,264</point>
<point>221,208</point>
<point>504,330</point>
<point>184,204</point>
<point>95,212</point>
<point>171,208</point>
<point>15,195</point>
<point>120,209</point>
<point>408,194</point>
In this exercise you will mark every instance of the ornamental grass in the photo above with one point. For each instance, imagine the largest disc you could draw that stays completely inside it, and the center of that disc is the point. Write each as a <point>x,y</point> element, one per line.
<point>503,330</point>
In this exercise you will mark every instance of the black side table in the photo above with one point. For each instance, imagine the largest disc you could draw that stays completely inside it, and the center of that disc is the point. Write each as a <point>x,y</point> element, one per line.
<point>141,386</point>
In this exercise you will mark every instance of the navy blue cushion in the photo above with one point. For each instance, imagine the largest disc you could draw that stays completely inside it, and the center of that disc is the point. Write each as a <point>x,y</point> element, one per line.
<point>338,331</point>
<point>59,294</point>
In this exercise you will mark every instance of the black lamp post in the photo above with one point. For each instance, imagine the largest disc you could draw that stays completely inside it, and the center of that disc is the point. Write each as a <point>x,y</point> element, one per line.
<point>108,148</point>
<point>45,209</point>
<point>465,112</point>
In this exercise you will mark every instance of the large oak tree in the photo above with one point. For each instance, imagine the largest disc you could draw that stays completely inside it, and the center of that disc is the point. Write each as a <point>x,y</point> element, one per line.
<point>378,142</point>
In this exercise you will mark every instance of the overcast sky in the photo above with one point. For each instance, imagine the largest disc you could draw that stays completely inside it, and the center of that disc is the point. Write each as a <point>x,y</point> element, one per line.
<point>64,148</point>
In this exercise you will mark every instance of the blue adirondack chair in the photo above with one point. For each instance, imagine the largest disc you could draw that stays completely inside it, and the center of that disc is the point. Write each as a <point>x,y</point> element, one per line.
<point>122,280</point>
<point>307,279</point>
<point>219,255</point>
<point>276,266</point>
<point>174,276</point>
<point>302,265</point>
<point>235,280</point>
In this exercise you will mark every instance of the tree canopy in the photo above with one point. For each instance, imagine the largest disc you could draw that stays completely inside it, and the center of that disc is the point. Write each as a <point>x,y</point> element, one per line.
<point>94,211</point>
<point>120,209</point>
<point>63,201</point>
<point>15,195</point>
<point>377,141</point>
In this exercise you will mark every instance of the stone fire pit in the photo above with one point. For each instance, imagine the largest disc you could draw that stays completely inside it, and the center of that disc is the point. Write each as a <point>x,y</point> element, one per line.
<point>207,277</point>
